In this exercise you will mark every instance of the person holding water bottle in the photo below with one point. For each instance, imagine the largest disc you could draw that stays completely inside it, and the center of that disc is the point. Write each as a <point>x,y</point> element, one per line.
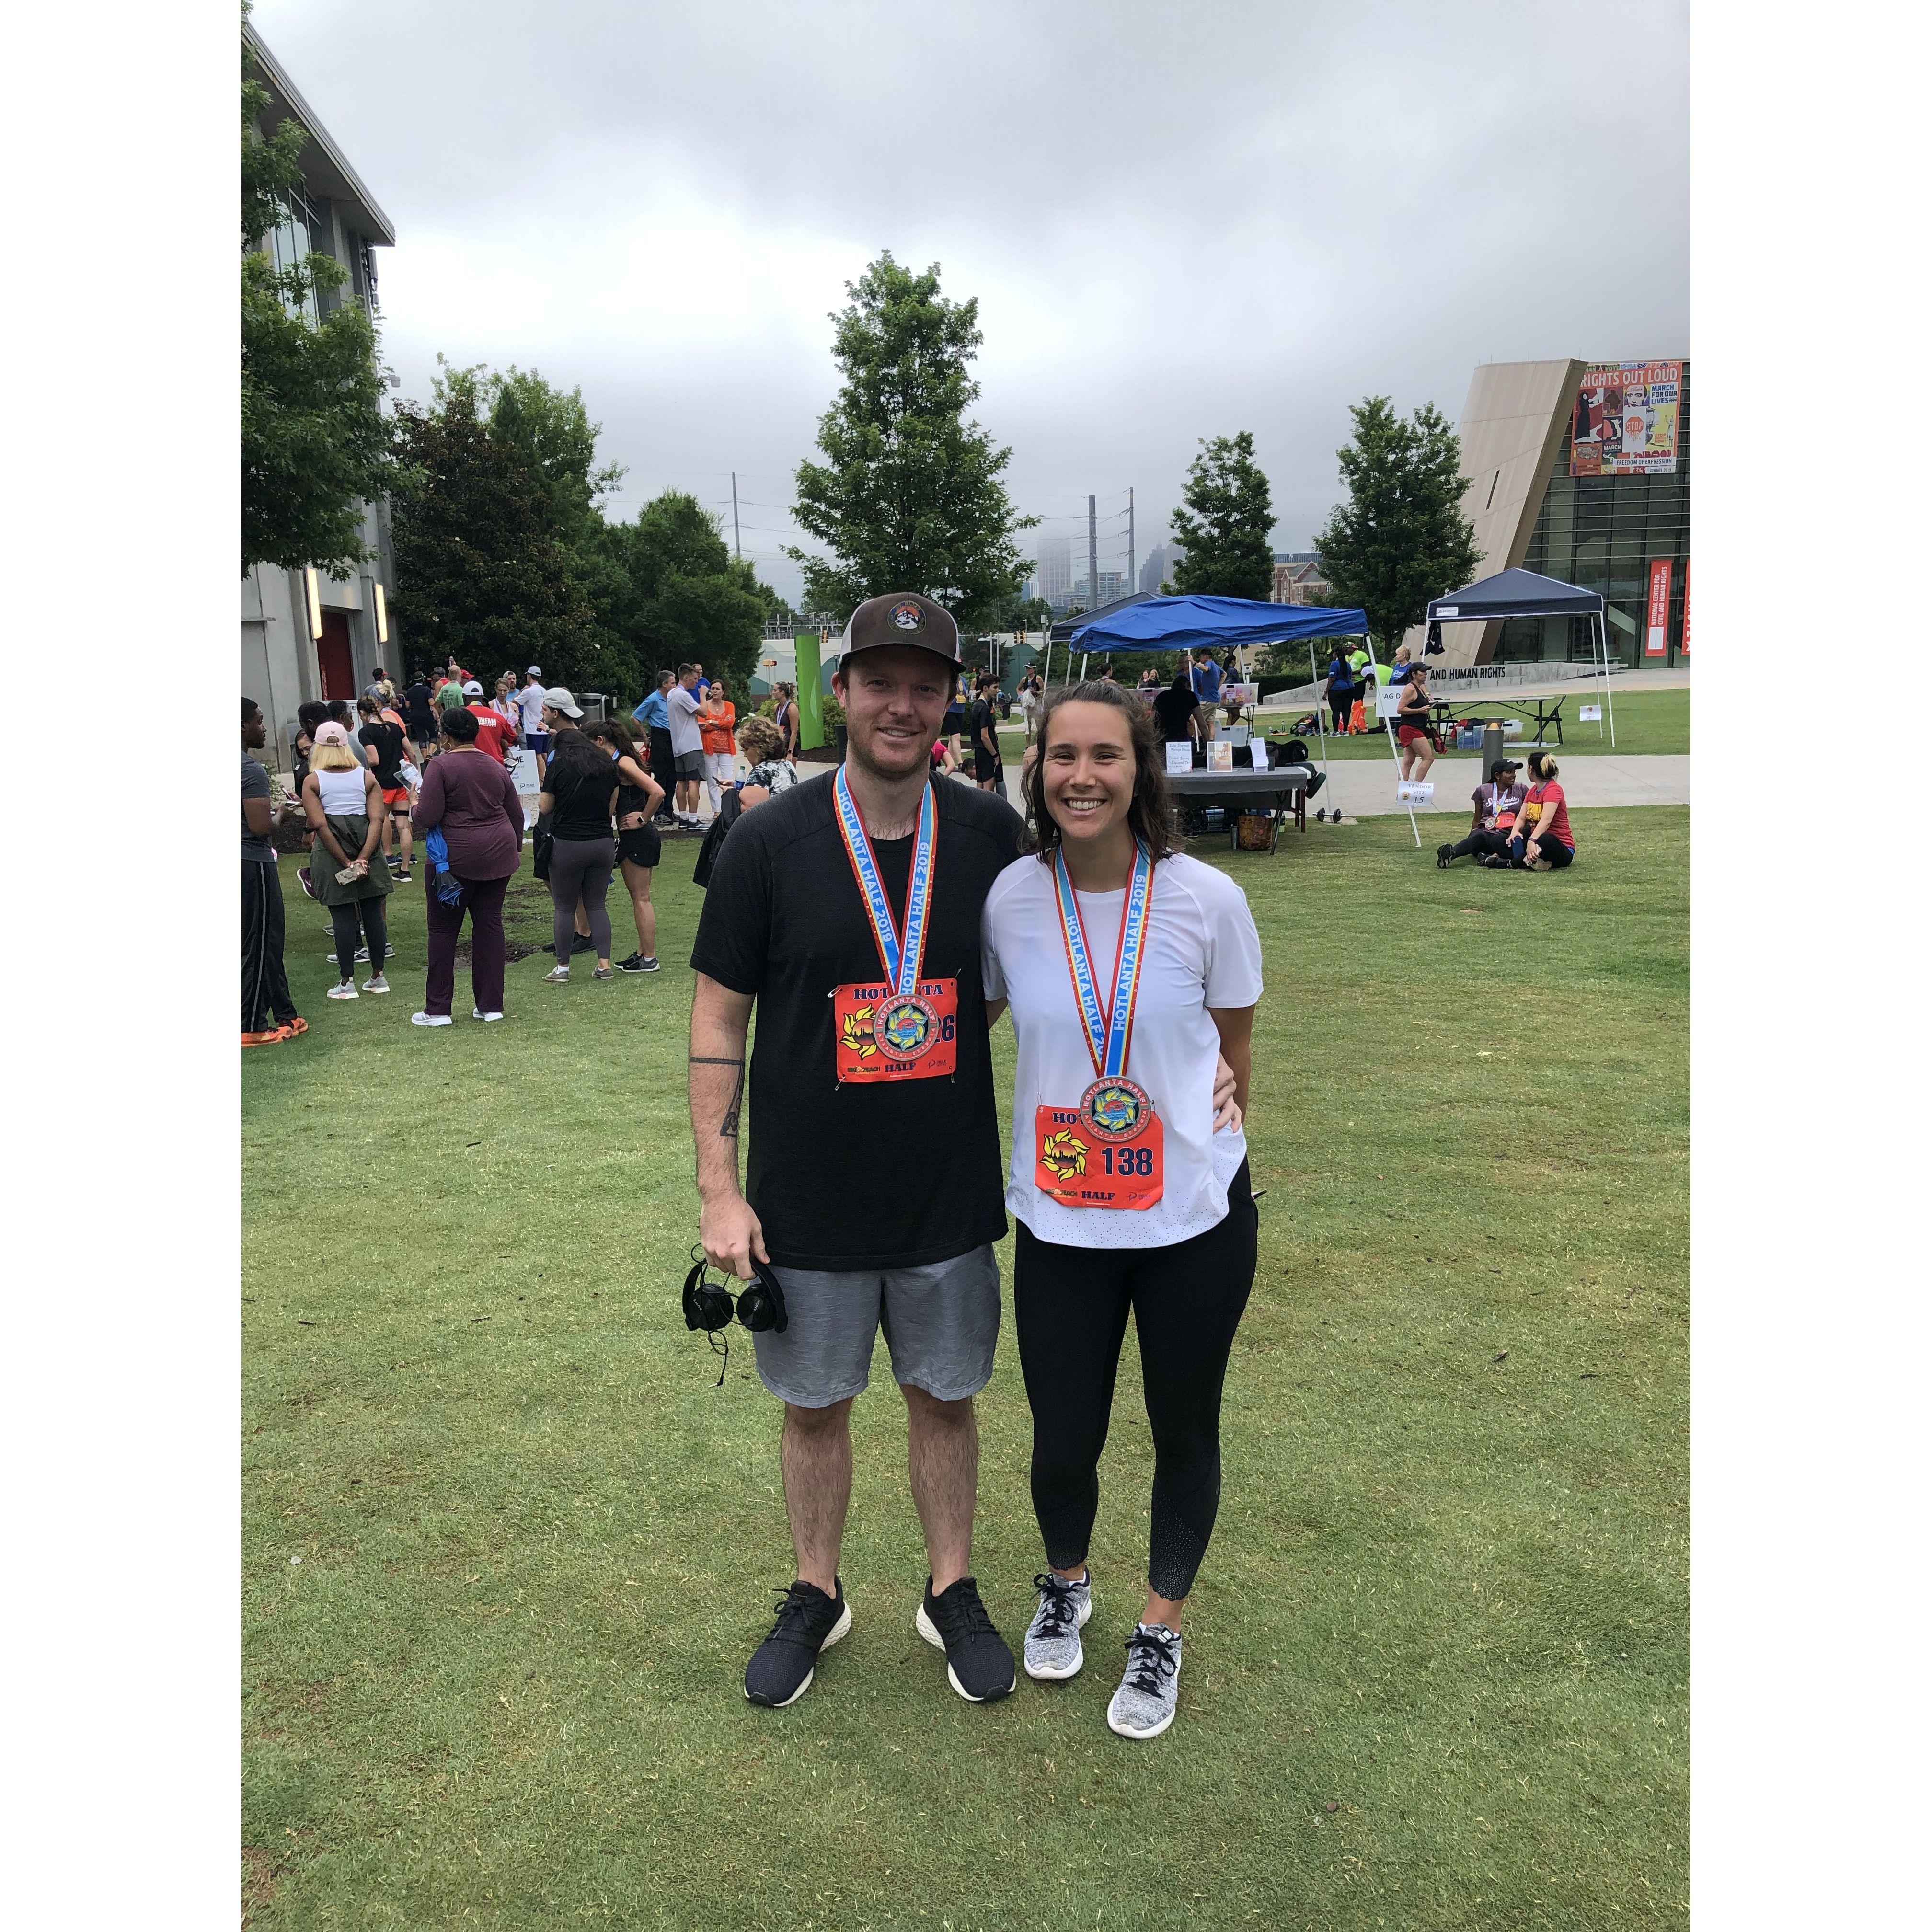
<point>1131,969</point>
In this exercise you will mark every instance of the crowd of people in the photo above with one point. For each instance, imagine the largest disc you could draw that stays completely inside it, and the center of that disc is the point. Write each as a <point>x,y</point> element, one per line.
<point>423,774</point>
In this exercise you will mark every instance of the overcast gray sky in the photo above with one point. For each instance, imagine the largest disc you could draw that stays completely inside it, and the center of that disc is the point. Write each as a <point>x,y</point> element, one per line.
<point>1180,221</point>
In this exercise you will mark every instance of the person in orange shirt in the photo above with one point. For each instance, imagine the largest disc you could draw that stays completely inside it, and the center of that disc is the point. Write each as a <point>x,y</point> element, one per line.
<point>718,724</point>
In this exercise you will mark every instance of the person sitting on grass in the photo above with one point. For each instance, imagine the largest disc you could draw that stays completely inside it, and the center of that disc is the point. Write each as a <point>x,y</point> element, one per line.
<point>1497,805</point>
<point>1542,841</point>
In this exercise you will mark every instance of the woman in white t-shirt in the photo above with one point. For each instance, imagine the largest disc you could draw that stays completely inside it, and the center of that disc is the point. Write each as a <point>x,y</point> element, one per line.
<point>1130,1192</point>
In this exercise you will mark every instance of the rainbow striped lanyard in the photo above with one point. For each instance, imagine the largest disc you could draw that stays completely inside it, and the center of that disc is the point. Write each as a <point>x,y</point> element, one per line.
<point>900,954</point>
<point>1109,1035</point>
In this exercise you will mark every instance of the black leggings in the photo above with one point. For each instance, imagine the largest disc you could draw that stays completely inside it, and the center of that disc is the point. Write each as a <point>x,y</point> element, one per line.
<point>580,868</point>
<point>1070,1311</point>
<point>1342,707</point>
<point>375,933</point>
<point>1482,844</point>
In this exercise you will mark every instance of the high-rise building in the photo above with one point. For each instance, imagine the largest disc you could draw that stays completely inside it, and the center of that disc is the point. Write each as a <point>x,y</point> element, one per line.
<point>304,634</point>
<point>1113,586</point>
<point>1154,569</point>
<point>1056,570</point>
<point>1581,471</point>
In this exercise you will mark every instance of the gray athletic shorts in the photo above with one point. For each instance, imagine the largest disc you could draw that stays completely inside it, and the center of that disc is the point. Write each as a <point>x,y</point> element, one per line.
<point>690,765</point>
<point>940,1324</point>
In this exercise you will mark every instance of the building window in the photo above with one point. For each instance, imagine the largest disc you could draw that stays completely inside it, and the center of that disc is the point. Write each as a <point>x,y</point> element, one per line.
<point>302,231</point>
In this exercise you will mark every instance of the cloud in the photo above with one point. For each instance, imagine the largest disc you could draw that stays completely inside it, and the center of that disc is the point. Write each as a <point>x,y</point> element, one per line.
<point>1178,222</point>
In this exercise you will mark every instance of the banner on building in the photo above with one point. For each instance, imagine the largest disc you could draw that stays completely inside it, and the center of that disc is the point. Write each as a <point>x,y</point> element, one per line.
<point>1625,421</point>
<point>1657,624</point>
<point>1684,642</point>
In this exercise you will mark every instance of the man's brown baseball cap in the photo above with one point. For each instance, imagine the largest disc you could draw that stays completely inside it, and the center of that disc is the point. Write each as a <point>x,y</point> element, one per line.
<point>901,617</point>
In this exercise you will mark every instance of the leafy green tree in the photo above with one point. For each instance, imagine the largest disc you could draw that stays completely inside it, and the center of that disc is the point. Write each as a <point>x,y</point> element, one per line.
<point>483,575</point>
<point>910,496</point>
<point>315,444</point>
<point>1402,538</point>
<point>677,596</point>
<point>1226,524</point>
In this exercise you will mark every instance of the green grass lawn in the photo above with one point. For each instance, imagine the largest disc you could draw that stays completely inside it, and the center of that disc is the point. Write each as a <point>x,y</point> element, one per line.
<point>1647,722</point>
<point>507,1547</point>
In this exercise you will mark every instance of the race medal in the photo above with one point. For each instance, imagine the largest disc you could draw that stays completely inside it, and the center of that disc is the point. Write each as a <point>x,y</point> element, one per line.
<point>900,1027</point>
<point>1108,1151</point>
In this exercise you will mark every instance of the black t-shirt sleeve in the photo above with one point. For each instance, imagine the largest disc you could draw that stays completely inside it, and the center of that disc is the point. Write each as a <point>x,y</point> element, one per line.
<point>734,929</point>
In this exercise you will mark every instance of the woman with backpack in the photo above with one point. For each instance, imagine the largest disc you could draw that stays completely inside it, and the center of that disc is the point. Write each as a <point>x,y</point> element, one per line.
<point>343,800</point>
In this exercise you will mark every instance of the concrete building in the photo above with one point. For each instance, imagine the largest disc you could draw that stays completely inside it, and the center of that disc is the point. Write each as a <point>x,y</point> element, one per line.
<point>304,634</point>
<point>1581,471</point>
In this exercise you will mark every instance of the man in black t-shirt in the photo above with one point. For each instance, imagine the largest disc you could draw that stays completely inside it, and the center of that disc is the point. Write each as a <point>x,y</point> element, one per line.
<point>1177,710</point>
<point>985,734</point>
<point>875,1184</point>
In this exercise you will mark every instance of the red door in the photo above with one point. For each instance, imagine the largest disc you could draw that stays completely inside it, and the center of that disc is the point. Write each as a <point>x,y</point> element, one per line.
<point>333,657</point>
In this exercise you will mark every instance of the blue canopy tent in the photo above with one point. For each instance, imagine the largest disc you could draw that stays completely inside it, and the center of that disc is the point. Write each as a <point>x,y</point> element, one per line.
<point>1197,623</point>
<point>1522,593</point>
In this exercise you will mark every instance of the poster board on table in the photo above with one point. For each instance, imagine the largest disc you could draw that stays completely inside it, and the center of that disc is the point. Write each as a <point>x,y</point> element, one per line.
<point>1388,700</point>
<point>1180,756</point>
<point>1240,694</point>
<point>1221,756</point>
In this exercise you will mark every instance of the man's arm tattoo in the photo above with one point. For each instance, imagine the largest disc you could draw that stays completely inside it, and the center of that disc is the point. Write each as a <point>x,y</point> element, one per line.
<point>727,1128</point>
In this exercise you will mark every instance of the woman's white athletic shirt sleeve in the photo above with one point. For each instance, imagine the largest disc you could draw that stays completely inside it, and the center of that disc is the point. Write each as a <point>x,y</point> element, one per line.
<point>1201,951</point>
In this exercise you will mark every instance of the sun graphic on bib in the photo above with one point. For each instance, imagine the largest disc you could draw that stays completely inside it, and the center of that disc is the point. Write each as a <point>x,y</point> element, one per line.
<point>1063,1155</point>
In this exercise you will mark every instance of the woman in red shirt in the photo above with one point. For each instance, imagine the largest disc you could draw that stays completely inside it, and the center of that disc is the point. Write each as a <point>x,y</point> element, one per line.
<point>1542,843</point>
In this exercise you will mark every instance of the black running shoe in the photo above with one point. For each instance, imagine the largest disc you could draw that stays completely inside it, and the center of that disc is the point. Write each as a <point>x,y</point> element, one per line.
<point>637,963</point>
<point>580,942</point>
<point>808,1622</point>
<point>1443,853</point>
<point>978,1663</point>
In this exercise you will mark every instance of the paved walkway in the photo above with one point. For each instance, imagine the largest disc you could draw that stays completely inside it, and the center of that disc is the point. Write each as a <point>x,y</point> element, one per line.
<point>1365,788</point>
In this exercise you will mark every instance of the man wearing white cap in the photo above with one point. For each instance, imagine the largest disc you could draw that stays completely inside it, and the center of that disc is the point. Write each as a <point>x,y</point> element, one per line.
<point>530,704</point>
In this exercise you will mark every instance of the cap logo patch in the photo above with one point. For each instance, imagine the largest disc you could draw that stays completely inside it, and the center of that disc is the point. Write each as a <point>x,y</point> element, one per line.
<point>907,615</point>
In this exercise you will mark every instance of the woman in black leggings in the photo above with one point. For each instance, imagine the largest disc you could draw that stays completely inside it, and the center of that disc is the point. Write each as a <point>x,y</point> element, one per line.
<point>1131,969</point>
<point>579,794</point>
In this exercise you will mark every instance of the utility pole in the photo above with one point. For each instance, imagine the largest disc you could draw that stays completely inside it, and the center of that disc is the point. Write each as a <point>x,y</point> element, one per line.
<point>1093,560</point>
<point>1133,584</point>
<point>737,548</point>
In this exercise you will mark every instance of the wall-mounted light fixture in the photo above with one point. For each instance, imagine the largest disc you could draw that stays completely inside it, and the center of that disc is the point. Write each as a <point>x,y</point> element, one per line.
<point>314,602</point>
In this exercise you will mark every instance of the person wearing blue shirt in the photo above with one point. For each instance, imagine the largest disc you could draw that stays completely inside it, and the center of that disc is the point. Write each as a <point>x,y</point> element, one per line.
<point>1208,681</point>
<point>654,714</point>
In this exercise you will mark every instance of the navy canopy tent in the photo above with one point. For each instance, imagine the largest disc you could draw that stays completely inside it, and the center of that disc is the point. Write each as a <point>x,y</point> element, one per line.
<point>1522,593</point>
<point>1200,623</point>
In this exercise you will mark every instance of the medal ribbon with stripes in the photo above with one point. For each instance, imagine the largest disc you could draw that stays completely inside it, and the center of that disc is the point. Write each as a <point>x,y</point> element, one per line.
<point>1109,1035</point>
<point>900,954</point>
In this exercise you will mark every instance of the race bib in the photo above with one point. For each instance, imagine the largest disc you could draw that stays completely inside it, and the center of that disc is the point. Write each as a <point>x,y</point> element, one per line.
<point>1108,1152</point>
<point>879,1034</point>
